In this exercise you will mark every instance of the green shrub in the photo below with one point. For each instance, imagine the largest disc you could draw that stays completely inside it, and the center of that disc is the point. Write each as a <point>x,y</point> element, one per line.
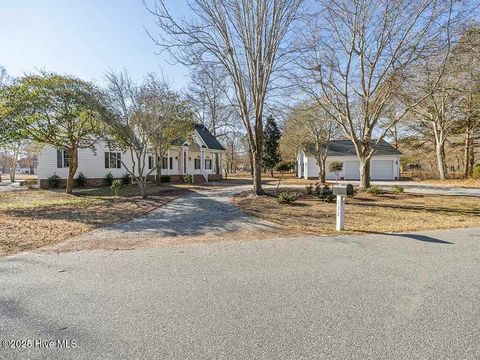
<point>374,190</point>
<point>326,194</point>
<point>398,189</point>
<point>109,179</point>
<point>476,172</point>
<point>165,178</point>
<point>285,166</point>
<point>286,197</point>
<point>53,181</point>
<point>126,179</point>
<point>81,180</point>
<point>309,189</point>
<point>187,179</point>
<point>116,186</point>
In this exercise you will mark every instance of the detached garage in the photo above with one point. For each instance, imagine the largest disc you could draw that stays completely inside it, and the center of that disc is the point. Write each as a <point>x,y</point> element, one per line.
<point>385,162</point>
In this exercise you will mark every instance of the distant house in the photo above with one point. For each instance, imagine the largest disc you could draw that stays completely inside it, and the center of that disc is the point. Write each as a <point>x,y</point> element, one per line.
<point>385,162</point>
<point>202,158</point>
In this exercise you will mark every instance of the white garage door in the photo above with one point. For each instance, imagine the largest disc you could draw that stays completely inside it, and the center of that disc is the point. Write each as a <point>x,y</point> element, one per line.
<point>352,170</point>
<point>382,170</point>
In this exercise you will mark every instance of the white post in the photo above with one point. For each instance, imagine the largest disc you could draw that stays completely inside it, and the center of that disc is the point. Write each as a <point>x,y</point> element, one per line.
<point>340,212</point>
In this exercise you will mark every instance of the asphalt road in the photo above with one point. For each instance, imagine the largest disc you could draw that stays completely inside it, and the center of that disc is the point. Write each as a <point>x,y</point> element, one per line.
<point>409,296</point>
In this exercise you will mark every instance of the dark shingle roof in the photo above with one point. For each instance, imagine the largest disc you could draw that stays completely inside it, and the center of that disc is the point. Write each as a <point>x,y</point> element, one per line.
<point>207,137</point>
<point>346,148</point>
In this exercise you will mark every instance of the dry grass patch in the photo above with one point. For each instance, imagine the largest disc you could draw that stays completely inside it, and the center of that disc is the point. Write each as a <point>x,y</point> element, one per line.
<point>469,183</point>
<point>35,218</point>
<point>367,213</point>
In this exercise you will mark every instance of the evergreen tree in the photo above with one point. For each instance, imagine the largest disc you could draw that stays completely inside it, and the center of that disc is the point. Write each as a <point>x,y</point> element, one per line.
<point>271,134</point>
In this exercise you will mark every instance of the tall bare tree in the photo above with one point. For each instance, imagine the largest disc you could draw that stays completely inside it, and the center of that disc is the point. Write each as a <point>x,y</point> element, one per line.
<point>249,39</point>
<point>357,55</point>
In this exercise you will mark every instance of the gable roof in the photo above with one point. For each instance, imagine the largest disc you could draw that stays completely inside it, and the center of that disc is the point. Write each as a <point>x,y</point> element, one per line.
<point>210,141</point>
<point>346,148</point>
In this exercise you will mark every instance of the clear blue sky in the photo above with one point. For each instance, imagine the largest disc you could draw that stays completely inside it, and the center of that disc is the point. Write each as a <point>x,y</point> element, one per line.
<point>83,38</point>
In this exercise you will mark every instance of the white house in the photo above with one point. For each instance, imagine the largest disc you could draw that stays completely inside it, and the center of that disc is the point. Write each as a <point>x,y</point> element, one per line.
<point>201,158</point>
<point>385,162</point>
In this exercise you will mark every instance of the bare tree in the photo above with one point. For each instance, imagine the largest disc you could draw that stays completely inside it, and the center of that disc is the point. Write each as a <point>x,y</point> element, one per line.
<point>249,39</point>
<point>357,55</point>
<point>310,128</point>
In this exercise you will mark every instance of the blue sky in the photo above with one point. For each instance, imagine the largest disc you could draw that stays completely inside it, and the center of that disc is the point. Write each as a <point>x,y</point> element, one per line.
<point>83,38</point>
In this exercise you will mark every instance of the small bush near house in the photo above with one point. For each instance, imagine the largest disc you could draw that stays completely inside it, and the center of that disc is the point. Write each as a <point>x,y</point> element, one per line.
<point>53,181</point>
<point>81,180</point>
<point>336,167</point>
<point>165,178</point>
<point>476,172</point>
<point>187,179</point>
<point>109,179</point>
<point>126,179</point>
<point>286,197</point>
<point>326,194</point>
<point>31,184</point>
<point>116,186</point>
<point>309,189</point>
<point>374,190</point>
<point>398,189</point>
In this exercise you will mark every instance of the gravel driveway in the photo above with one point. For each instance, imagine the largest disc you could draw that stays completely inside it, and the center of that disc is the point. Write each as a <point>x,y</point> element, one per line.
<point>197,216</point>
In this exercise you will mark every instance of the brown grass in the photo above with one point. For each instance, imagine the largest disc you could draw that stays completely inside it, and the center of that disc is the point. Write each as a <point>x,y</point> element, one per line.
<point>367,213</point>
<point>36,218</point>
<point>472,183</point>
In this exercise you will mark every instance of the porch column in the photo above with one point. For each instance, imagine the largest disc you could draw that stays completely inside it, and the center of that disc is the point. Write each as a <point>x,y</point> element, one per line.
<point>202,161</point>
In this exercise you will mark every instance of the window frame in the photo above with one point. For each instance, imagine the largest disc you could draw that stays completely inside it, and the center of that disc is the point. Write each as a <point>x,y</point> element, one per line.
<point>195,162</point>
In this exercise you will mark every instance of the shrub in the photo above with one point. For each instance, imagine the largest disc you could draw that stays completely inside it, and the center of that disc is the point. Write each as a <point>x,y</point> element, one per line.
<point>187,179</point>
<point>165,178</point>
<point>326,194</point>
<point>81,180</point>
<point>318,188</point>
<point>374,190</point>
<point>53,181</point>
<point>126,179</point>
<point>116,186</point>
<point>476,172</point>
<point>109,179</point>
<point>398,189</point>
<point>285,166</point>
<point>286,197</point>
<point>309,189</point>
<point>30,183</point>
<point>336,167</point>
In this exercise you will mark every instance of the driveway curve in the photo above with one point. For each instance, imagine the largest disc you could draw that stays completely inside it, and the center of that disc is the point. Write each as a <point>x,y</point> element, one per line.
<point>199,216</point>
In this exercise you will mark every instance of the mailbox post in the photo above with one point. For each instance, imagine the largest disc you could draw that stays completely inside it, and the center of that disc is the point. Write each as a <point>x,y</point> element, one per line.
<point>341,191</point>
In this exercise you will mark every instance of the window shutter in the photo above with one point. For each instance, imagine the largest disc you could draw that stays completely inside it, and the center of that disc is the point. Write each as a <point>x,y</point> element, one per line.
<point>171,163</point>
<point>119,160</point>
<point>59,158</point>
<point>107,160</point>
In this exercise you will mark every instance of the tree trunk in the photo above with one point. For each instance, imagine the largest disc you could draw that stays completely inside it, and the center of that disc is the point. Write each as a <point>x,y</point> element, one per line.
<point>466,154</point>
<point>158,180</point>
<point>271,172</point>
<point>442,167</point>
<point>257,174</point>
<point>72,169</point>
<point>364,173</point>
<point>12,173</point>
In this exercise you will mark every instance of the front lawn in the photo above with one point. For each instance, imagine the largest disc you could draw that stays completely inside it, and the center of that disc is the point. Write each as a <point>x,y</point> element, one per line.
<point>366,213</point>
<point>35,218</point>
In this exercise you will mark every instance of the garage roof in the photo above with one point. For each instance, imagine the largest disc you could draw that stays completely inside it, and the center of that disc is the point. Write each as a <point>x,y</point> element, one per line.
<point>346,148</point>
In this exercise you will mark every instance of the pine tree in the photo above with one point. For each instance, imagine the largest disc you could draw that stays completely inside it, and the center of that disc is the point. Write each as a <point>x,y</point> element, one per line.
<point>272,134</point>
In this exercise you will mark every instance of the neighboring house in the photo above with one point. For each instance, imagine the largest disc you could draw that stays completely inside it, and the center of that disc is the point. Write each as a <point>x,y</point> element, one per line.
<point>385,162</point>
<point>201,158</point>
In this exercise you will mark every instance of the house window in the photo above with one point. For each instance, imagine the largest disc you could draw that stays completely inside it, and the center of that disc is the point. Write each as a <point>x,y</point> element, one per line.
<point>165,163</point>
<point>150,162</point>
<point>171,163</point>
<point>63,159</point>
<point>113,160</point>
<point>208,164</point>
<point>197,164</point>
